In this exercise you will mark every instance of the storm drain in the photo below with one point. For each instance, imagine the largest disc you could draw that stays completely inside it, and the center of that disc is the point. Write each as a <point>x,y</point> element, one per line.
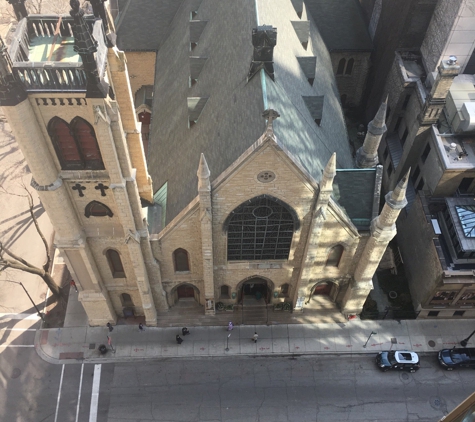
<point>92,346</point>
<point>431,343</point>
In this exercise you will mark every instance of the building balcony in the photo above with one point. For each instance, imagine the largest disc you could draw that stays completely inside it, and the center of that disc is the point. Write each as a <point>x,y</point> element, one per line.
<point>43,56</point>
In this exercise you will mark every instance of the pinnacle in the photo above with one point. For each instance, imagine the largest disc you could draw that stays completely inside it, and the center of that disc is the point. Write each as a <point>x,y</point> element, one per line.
<point>203,169</point>
<point>399,192</point>
<point>380,117</point>
<point>330,168</point>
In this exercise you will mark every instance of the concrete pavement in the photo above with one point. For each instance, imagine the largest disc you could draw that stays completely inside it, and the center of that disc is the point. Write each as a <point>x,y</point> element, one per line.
<point>77,342</point>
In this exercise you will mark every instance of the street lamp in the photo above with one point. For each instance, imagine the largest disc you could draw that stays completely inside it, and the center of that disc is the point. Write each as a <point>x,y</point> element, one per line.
<point>29,297</point>
<point>372,334</point>
<point>227,343</point>
<point>464,342</point>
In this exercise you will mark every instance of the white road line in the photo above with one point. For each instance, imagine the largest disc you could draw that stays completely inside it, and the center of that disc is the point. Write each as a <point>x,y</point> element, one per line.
<point>20,316</point>
<point>95,393</point>
<point>19,329</point>
<point>79,393</point>
<point>17,345</point>
<point>59,395</point>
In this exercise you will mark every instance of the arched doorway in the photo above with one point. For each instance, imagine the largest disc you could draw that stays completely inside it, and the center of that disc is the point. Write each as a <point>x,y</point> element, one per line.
<point>255,289</point>
<point>185,295</point>
<point>323,295</point>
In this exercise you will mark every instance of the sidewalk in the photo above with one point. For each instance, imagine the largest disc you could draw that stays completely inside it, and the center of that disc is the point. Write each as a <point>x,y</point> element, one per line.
<point>77,342</point>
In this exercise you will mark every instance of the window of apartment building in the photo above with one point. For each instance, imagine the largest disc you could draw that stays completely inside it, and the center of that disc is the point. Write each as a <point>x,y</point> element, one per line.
<point>416,174</point>
<point>459,313</point>
<point>426,153</point>
<point>433,313</point>
<point>406,101</point>
<point>398,123</point>
<point>420,185</point>
<point>404,137</point>
<point>465,184</point>
<point>390,169</point>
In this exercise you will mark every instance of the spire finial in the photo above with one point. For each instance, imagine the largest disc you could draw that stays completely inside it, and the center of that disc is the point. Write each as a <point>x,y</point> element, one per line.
<point>399,192</point>
<point>203,174</point>
<point>270,115</point>
<point>330,169</point>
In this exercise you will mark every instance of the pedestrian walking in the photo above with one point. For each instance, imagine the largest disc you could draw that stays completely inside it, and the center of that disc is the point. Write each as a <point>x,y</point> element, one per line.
<point>179,340</point>
<point>185,331</point>
<point>73,284</point>
<point>110,327</point>
<point>254,337</point>
<point>230,326</point>
<point>141,327</point>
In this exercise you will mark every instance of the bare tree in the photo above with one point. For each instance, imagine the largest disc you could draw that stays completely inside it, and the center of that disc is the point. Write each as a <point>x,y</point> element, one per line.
<point>10,260</point>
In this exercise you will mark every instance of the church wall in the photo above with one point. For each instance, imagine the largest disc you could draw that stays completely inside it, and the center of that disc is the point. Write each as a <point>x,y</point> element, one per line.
<point>288,186</point>
<point>186,235</point>
<point>141,66</point>
<point>351,85</point>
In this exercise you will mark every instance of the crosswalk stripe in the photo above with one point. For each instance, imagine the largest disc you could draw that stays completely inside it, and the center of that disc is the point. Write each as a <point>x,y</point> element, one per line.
<point>20,316</point>
<point>95,393</point>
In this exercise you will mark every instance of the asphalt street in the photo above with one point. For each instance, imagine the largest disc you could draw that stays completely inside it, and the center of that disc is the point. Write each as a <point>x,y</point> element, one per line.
<point>264,389</point>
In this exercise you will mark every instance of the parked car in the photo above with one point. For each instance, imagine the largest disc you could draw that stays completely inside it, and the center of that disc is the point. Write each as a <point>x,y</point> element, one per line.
<point>457,358</point>
<point>401,360</point>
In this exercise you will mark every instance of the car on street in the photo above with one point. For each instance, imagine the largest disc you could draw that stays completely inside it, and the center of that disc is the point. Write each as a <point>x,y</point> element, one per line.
<point>399,360</point>
<point>450,359</point>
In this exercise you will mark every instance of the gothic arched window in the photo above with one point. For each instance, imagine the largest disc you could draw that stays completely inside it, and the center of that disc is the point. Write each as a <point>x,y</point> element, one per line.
<point>260,229</point>
<point>115,263</point>
<point>65,145</point>
<point>334,257</point>
<point>75,144</point>
<point>86,139</point>
<point>341,67</point>
<point>224,292</point>
<point>180,259</point>
<point>97,209</point>
<point>349,67</point>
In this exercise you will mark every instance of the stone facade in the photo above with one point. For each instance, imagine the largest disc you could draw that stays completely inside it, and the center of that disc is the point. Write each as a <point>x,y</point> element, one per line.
<point>351,84</point>
<point>141,68</point>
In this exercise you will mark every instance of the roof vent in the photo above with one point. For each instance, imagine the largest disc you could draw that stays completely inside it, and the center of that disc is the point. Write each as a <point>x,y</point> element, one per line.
<point>264,39</point>
<point>302,29</point>
<point>452,60</point>
<point>195,107</point>
<point>453,146</point>
<point>308,65</point>
<point>315,107</point>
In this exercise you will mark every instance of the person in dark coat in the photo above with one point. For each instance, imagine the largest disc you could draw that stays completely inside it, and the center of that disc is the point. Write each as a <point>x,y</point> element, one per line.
<point>179,340</point>
<point>185,331</point>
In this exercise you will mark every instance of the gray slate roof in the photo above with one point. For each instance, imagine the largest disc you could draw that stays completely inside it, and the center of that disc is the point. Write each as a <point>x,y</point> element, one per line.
<point>142,25</point>
<point>341,24</point>
<point>231,119</point>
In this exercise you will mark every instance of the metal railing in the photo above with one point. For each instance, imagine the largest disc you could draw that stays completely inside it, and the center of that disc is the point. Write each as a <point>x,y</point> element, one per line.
<point>53,76</point>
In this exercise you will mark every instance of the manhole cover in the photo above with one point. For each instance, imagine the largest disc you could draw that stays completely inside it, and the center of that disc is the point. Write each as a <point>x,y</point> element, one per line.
<point>437,403</point>
<point>431,343</point>
<point>15,373</point>
<point>405,376</point>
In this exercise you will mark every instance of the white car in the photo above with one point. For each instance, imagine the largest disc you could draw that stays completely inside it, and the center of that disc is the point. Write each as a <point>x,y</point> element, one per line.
<point>402,360</point>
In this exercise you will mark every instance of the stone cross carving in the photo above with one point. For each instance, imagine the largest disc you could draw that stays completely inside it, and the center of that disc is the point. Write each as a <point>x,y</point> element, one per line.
<point>79,188</point>
<point>102,188</point>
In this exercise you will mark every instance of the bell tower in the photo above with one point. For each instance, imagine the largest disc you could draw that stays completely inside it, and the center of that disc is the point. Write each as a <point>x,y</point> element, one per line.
<point>61,84</point>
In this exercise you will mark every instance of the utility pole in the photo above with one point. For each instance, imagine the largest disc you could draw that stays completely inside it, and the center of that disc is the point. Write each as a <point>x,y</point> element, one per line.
<point>29,297</point>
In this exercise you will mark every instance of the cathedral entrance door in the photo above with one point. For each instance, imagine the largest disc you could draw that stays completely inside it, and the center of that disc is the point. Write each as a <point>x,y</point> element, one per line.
<point>254,296</point>
<point>323,289</point>
<point>185,291</point>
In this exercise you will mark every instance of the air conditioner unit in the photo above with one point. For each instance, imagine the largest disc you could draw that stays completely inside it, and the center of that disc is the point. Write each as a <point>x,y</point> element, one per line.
<point>464,120</point>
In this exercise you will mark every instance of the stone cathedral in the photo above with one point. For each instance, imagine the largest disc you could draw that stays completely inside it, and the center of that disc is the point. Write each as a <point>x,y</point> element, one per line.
<point>226,181</point>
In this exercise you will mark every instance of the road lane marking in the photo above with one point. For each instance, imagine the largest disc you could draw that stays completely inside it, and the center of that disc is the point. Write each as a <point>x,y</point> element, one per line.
<point>17,345</point>
<point>59,395</point>
<point>95,393</point>
<point>19,316</point>
<point>19,329</point>
<point>79,393</point>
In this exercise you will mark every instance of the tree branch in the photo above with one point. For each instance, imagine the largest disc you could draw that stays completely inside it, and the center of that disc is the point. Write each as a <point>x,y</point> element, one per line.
<point>14,256</point>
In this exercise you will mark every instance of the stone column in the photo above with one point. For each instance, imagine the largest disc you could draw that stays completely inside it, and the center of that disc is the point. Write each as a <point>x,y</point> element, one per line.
<point>367,155</point>
<point>206,218</point>
<point>315,231</point>
<point>383,229</point>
